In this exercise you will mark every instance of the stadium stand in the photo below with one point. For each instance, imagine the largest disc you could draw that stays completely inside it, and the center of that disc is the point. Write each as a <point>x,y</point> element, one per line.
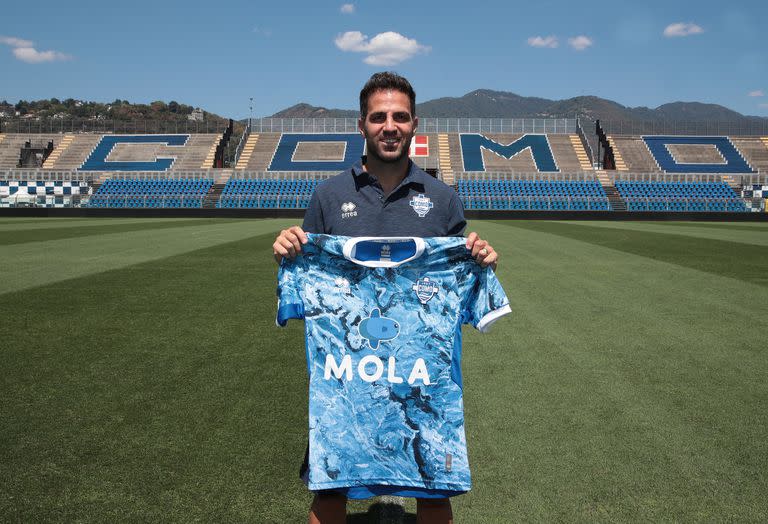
<point>699,155</point>
<point>150,152</point>
<point>317,152</point>
<point>151,192</point>
<point>11,146</point>
<point>72,152</point>
<point>270,191</point>
<point>264,145</point>
<point>507,153</point>
<point>532,192</point>
<point>755,150</point>
<point>631,154</point>
<point>679,196</point>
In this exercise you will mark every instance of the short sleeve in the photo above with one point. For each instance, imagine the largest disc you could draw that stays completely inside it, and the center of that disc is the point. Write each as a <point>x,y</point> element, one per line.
<point>456,222</point>
<point>289,285</point>
<point>487,301</point>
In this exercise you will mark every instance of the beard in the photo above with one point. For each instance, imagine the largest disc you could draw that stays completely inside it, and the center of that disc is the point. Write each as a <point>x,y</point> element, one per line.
<point>372,150</point>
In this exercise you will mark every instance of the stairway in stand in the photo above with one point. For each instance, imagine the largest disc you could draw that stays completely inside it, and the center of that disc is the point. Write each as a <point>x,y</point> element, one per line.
<point>614,198</point>
<point>50,162</point>
<point>444,155</point>
<point>213,196</point>
<point>245,155</point>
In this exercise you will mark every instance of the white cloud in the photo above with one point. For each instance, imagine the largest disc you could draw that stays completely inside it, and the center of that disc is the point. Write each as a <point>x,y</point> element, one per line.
<point>580,43</point>
<point>543,41</point>
<point>15,42</point>
<point>763,106</point>
<point>384,49</point>
<point>24,50</point>
<point>348,9</point>
<point>682,29</point>
<point>758,92</point>
<point>33,56</point>
<point>262,31</point>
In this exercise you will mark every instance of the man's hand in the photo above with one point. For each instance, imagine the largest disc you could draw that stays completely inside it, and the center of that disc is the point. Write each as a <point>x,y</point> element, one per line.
<point>482,251</point>
<point>288,243</point>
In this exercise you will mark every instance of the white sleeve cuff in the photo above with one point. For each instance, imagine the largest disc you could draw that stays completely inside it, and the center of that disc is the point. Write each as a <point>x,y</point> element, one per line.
<point>485,323</point>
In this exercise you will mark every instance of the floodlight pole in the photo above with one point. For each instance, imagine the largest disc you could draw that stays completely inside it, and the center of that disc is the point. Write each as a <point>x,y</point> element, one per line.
<point>250,114</point>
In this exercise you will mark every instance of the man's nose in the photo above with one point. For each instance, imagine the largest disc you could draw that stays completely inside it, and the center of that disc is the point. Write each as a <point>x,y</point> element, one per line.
<point>389,124</point>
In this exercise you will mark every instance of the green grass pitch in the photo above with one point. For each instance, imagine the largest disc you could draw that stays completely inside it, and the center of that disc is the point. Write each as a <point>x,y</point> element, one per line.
<point>142,377</point>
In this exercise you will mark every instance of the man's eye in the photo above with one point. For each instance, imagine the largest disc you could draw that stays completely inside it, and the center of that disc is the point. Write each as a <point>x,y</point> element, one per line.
<point>402,117</point>
<point>377,118</point>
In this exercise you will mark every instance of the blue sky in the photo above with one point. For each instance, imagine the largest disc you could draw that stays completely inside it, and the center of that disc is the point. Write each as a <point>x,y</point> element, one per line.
<point>218,55</point>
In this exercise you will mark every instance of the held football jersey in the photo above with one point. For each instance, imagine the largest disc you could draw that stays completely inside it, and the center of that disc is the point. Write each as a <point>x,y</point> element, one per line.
<point>383,323</point>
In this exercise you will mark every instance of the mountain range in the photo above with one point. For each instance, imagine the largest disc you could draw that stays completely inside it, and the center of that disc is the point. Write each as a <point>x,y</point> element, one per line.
<point>485,103</point>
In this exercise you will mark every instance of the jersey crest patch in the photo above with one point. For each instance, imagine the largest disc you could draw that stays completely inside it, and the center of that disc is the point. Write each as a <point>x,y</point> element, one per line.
<point>421,204</point>
<point>377,328</point>
<point>425,289</point>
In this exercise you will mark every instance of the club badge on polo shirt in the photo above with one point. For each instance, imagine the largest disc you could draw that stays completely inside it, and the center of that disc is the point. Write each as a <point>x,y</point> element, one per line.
<point>421,204</point>
<point>348,210</point>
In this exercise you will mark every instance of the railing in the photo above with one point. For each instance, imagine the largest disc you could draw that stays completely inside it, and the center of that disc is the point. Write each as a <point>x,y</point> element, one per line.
<point>277,201</point>
<point>146,201</point>
<point>426,125</point>
<point>486,176</point>
<point>536,203</point>
<point>241,144</point>
<point>45,175</point>
<point>741,179</point>
<point>585,141</point>
<point>281,175</point>
<point>682,204</point>
<point>739,128</point>
<point>80,125</point>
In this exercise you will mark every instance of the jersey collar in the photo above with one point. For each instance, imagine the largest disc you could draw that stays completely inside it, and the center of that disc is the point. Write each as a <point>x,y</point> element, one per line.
<point>358,250</point>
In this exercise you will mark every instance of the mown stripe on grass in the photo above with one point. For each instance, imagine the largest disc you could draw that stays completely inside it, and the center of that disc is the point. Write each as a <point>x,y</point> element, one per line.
<point>754,236</point>
<point>25,266</point>
<point>87,229</point>
<point>707,255</point>
<point>620,389</point>
<point>157,392</point>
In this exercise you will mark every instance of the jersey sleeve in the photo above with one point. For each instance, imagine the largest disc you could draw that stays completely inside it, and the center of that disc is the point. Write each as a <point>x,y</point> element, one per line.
<point>487,301</point>
<point>289,285</point>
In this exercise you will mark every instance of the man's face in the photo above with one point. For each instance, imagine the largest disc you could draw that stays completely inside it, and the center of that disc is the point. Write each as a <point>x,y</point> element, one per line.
<point>389,126</point>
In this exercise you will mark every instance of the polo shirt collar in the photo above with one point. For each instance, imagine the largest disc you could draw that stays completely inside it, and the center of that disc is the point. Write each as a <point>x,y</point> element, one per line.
<point>414,174</point>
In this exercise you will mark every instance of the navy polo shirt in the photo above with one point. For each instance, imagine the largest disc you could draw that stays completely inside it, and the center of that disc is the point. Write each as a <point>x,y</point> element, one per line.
<point>353,204</point>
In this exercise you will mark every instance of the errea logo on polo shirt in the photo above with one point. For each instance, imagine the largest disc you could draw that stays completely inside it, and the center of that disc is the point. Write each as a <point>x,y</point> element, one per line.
<point>421,204</point>
<point>348,210</point>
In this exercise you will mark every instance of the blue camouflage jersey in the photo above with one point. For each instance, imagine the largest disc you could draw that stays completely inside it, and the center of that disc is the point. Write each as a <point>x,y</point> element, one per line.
<point>383,323</point>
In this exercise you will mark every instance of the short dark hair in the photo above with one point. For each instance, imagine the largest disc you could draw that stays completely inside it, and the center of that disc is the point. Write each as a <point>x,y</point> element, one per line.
<point>381,82</point>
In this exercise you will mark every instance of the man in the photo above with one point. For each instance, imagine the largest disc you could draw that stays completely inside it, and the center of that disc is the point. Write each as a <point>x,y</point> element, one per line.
<point>384,195</point>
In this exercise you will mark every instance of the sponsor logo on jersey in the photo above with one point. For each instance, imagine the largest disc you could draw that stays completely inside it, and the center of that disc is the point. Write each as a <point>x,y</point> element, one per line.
<point>348,210</point>
<point>425,289</point>
<point>344,370</point>
<point>421,204</point>
<point>377,328</point>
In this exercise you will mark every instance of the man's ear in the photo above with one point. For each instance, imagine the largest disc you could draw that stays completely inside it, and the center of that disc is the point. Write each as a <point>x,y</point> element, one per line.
<point>415,122</point>
<point>361,125</point>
